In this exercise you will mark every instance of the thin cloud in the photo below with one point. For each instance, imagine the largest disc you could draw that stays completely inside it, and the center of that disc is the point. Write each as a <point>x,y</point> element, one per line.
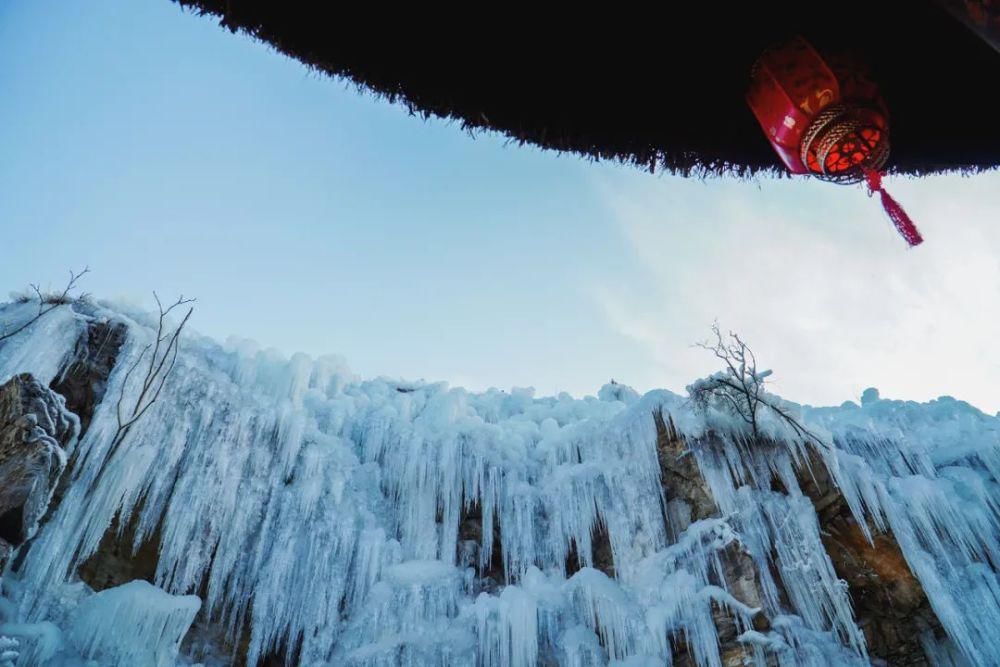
<point>815,277</point>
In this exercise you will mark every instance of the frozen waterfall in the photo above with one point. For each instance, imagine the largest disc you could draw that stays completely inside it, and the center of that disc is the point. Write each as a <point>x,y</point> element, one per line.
<point>302,512</point>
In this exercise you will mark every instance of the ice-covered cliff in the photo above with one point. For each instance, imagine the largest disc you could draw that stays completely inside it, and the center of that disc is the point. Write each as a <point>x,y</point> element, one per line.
<point>282,511</point>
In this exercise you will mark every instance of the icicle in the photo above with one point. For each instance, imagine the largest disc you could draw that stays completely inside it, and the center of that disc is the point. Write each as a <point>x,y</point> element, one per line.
<point>607,610</point>
<point>507,629</point>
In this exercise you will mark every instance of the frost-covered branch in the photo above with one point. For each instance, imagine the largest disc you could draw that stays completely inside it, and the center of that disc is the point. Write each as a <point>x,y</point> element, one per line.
<point>47,302</point>
<point>739,387</point>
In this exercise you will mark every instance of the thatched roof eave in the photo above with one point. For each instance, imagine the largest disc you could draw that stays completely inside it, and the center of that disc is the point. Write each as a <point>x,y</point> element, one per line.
<point>663,90</point>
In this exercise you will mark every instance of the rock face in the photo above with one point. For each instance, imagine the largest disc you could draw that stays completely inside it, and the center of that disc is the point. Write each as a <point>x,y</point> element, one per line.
<point>36,431</point>
<point>689,500</point>
<point>889,603</point>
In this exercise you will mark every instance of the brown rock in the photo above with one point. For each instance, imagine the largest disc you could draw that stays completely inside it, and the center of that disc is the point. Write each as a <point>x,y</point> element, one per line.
<point>35,431</point>
<point>680,475</point>
<point>115,562</point>
<point>85,378</point>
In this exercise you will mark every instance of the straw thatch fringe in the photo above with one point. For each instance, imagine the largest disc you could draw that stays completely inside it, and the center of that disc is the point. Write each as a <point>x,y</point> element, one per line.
<point>661,91</point>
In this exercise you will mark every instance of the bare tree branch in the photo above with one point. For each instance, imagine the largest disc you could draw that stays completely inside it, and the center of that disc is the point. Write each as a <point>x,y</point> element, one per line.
<point>157,368</point>
<point>740,386</point>
<point>159,373</point>
<point>128,374</point>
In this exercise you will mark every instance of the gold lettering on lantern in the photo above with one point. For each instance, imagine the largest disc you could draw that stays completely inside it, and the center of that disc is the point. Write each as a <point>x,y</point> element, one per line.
<point>823,98</point>
<point>789,122</point>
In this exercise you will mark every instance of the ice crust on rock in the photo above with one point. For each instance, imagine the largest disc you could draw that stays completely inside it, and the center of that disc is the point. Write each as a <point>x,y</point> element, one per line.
<point>322,515</point>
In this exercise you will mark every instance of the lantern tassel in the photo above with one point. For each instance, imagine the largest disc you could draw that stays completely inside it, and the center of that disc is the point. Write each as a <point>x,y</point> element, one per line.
<point>899,218</point>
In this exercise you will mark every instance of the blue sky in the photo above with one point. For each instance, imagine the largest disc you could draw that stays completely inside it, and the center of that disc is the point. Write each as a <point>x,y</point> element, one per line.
<point>169,154</point>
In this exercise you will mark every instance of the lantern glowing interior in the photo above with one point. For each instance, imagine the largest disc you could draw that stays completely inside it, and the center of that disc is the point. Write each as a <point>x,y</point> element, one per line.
<point>843,141</point>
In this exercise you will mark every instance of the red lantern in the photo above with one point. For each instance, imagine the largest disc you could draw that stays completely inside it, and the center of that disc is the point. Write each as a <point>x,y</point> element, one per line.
<point>825,117</point>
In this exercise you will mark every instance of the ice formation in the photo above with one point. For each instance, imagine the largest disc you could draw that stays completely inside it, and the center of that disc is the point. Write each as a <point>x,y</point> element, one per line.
<point>325,519</point>
<point>8,651</point>
<point>156,623</point>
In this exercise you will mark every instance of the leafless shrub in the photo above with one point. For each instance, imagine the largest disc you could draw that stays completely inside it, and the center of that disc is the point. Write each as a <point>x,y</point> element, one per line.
<point>739,387</point>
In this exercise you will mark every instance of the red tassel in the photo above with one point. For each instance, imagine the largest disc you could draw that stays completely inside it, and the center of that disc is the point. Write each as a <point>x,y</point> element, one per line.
<point>899,218</point>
